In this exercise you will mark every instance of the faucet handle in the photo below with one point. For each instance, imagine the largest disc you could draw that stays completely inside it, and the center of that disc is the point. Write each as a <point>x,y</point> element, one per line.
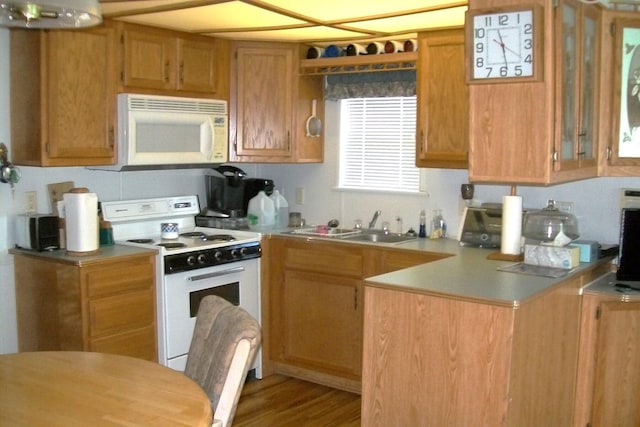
<point>358,224</point>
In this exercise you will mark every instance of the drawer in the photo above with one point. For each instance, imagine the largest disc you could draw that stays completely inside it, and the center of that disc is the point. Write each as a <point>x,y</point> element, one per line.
<point>122,312</point>
<point>140,343</point>
<point>119,277</point>
<point>321,257</point>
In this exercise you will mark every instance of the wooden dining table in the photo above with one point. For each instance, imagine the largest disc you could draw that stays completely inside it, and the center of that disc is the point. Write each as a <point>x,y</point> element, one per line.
<point>69,388</point>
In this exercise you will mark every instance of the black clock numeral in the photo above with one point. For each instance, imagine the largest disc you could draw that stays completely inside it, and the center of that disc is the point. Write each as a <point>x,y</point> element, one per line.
<point>528,28</point>
<point>518,70</point>
<point>528,43</point>
<point>487,21</point>
<point>528,59</point>
<point>479,47</point>
<point>503,19</point>
<point>479,33</point>
<point>489,70</point>
<point>479,62</point>
<point>504,71</point>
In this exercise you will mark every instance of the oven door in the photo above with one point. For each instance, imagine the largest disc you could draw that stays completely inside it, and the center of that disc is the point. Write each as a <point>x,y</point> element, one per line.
<point>238,282</point>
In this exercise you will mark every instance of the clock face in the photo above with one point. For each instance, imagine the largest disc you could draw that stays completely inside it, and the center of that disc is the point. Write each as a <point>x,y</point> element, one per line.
<point>503,45</point>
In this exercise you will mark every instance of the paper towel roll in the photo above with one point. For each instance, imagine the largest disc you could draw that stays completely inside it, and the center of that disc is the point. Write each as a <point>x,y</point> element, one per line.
<point>81,220</point>
<point>511,225</point>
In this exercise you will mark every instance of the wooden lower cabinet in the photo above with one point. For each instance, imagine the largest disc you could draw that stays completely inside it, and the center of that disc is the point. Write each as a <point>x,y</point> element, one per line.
<point>609,370</point>
<point>432,360</point>
<point>108,306</point>
<point>316,305</point>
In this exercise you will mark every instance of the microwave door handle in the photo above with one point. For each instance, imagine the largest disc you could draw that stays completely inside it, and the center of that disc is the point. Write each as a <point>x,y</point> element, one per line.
<point>212,144</point>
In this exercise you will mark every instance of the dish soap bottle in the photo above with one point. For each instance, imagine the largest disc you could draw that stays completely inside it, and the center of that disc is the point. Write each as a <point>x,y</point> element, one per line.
<point>281,209</point>
<point>422,231</point>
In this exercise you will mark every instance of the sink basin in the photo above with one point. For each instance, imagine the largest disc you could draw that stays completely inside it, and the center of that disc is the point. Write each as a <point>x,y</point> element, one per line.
<point>378,237</point>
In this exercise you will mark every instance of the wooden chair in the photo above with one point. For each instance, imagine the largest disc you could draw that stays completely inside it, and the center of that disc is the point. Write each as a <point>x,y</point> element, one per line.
<point>224,344</point>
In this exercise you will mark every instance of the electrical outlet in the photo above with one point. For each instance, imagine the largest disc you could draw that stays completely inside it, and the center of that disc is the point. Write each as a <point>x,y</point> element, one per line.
<point>300,196</point>
<point>30,202</point>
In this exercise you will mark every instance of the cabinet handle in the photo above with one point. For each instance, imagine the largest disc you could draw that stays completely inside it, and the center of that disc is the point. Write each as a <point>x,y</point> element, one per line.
<point>181,72</point>
<point>288,140</point>
<point>554,156</point>
<point>582,153</point>
<point>609,153</point>
<point>421,141</point>
<point>166,72</point>
<point>111,137</point>
<point>355,299</point>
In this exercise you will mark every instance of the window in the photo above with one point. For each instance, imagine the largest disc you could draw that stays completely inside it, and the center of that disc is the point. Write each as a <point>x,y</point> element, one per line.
<point>377,144</point>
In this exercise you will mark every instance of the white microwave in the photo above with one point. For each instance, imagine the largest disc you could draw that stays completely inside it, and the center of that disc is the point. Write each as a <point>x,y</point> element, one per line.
<point>158,132</point>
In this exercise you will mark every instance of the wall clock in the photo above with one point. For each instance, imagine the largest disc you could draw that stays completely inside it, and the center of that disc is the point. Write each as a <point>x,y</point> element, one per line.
<point>504,44</point>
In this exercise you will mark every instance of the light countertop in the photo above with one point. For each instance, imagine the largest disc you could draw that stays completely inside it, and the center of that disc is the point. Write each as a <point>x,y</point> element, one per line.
<point>467,274</point>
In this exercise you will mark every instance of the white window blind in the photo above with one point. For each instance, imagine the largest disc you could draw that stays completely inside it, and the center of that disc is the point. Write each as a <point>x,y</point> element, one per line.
<point>377,144</point>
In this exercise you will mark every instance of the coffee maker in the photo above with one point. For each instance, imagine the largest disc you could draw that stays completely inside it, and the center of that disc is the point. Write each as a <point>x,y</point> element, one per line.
<point>228,193</point>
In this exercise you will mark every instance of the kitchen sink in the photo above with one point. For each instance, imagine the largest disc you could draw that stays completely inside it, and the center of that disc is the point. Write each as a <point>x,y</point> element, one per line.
<point>354,235</point>
<point>379,237</point>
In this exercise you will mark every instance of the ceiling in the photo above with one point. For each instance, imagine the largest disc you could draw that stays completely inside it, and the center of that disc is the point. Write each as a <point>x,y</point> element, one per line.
<point>303,21</point>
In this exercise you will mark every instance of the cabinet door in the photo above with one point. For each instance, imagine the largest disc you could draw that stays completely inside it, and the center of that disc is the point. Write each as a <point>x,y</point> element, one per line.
<point>623,156</point>
<point>577,75</point>
<point>149,59</point>
<point>617,374</point>
<point>79,94</point>
<point>264,99</point>
<point>443,102</point>
<point>322,322</point>
<point>197,66</point>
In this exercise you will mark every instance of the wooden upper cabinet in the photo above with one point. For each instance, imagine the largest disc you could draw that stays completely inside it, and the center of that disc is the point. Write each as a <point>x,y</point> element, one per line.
<point>615,158</point>
<point>62,100</point>
<point>171,63</point>
<point>442,139</point>
<point>578,67</point>
<point>270,104</point>
<point>264,101</point>
<point>515,134</point>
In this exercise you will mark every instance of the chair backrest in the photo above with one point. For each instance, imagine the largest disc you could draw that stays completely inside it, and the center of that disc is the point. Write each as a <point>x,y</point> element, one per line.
<point>224,344</point>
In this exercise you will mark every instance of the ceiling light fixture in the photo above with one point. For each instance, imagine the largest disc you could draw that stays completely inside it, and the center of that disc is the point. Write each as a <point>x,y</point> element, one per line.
<point>50,13</point>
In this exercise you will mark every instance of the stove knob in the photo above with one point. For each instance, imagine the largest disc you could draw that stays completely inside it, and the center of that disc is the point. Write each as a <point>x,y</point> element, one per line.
<point>202,259</point>
<point>217,255</point>
<point>235,253</point>
<point>191,260</point>
<point>244,251</point>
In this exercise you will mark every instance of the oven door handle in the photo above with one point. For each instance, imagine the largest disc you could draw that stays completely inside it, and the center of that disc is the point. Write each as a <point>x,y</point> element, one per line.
<point>216,274</point>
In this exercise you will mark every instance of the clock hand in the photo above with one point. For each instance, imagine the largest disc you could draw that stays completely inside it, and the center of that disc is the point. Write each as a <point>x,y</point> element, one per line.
<point>504,52</point>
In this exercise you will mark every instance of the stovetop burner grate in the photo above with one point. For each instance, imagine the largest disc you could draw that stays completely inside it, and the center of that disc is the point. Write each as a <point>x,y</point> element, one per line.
<point>199,235</point>
<point>172,245</point>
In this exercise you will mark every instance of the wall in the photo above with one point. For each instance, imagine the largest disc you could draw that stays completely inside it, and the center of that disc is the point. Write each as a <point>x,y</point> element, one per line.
<point>596,201</point>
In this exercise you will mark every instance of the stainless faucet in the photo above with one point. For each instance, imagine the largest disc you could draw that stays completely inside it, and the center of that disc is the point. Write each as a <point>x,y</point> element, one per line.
<point>376,214</point>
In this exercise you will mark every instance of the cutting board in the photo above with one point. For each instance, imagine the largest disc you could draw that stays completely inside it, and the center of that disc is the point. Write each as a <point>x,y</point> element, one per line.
<point>56,191</point>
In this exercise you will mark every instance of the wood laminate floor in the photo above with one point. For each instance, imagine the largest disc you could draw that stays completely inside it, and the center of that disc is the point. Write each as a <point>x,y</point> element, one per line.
<point>282,401</point>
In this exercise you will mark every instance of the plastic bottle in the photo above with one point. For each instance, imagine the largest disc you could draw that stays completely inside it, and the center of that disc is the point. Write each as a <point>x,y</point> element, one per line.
<point>281,208</point>
<point>422,231</point>
<point>261,213</point>
<point>438,225</point>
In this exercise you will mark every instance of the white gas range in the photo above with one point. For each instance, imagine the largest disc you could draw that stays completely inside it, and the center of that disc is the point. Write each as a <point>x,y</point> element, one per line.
<point>200,261</point>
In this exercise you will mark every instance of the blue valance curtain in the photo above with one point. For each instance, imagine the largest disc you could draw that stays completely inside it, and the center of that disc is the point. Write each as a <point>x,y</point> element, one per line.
<point>370,85</point>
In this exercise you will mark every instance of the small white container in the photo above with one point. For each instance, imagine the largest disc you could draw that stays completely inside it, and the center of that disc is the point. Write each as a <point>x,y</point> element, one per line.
<point>169,230</point>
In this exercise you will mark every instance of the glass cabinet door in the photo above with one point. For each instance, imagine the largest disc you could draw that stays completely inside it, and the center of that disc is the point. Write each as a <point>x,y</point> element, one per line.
<point>577,61</point>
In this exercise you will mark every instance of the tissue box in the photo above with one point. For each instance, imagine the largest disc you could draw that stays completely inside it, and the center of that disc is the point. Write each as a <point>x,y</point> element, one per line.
<point>589,249</point>
<point>552,256</point>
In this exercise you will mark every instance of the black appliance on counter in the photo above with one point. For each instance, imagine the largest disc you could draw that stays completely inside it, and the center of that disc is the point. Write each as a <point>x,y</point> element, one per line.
<point>228,194</point>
